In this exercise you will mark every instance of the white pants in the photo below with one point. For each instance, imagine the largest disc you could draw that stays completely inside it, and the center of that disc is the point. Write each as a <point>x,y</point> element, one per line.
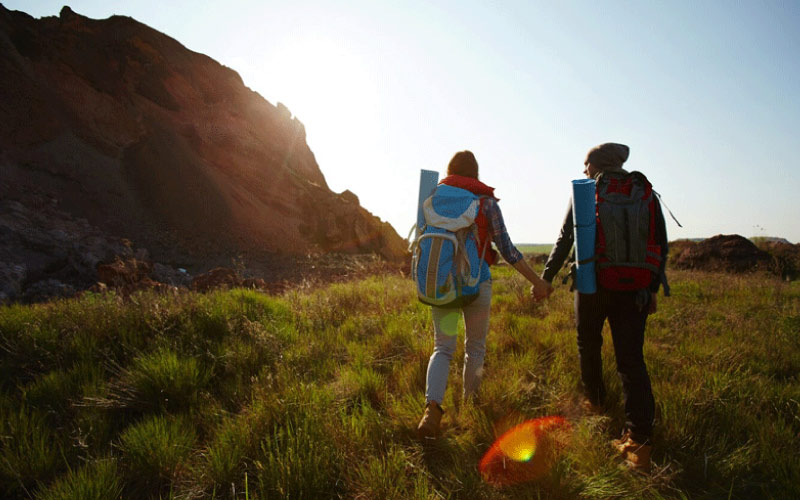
<point>445,327</point>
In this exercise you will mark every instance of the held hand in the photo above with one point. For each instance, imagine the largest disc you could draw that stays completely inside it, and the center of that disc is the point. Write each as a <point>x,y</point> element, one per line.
<point>541,292</point>
<point>541,289</point>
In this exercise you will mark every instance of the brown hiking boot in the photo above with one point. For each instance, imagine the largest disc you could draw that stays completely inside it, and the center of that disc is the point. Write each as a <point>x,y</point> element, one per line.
<point>621,444</point>
<point>636,455</point>
<point>432,418</point>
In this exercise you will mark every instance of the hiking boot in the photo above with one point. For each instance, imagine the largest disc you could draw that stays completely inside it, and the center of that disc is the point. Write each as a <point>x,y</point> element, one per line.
<point>431,420</point>
<point>636,455</point>
<point>621,444</point>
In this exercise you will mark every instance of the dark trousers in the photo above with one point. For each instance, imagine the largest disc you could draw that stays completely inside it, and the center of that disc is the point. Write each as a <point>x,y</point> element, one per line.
<point>626,317</point>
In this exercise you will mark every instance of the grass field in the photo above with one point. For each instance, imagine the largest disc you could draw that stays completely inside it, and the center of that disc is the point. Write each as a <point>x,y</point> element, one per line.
<point>534,248</point>
<point>316,393</point>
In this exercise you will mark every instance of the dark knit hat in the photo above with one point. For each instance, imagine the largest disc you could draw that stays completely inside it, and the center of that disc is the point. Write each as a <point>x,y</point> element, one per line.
<point>608,156</point>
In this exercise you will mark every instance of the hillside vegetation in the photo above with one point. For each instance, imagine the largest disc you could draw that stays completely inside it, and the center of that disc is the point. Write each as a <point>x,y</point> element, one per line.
<point>315,393</point>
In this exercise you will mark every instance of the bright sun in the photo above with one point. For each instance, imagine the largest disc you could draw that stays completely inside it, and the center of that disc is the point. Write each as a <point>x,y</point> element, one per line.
<point>335,90</point>
<point>330,89</point>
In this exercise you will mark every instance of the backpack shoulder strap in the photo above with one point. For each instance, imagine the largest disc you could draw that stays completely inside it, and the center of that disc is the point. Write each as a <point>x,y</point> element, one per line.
<point>641,177</point>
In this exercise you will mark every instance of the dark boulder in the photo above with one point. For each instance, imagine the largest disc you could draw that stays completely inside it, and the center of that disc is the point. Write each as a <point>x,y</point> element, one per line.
<point>727,253</point>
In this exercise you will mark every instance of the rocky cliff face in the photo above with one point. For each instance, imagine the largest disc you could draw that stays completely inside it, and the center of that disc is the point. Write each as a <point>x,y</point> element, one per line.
<point>121,127</point>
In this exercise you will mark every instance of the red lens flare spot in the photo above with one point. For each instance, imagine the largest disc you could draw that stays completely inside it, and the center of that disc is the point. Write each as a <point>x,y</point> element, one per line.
<point>524,452</point>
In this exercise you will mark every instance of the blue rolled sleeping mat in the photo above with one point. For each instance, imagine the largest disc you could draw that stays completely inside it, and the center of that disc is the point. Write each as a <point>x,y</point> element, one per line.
<point>427,184</point>
<point>585,224</point>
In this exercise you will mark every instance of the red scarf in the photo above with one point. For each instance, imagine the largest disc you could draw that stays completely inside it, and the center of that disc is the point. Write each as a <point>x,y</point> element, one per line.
<point>471,184</point>
<point>478,188</point>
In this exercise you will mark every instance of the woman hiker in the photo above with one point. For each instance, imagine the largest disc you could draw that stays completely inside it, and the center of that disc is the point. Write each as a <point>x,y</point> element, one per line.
<point>462,172</point>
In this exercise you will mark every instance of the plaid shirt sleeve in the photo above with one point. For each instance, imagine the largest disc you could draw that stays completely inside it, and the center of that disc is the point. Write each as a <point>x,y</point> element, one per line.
<point>499,234</point>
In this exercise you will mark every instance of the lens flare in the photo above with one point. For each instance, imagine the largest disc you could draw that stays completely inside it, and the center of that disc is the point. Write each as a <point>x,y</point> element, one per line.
<point>519,446</point>
<point>448,323</point>
<point>525,452</point>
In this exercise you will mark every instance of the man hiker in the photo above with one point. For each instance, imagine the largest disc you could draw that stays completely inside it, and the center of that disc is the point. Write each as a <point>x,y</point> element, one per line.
<point>626,292</point>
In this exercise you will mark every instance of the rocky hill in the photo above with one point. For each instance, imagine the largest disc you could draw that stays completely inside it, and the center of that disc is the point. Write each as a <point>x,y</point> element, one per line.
<point>733,253</point>
<point>723,252</point>
<point>119,131</point>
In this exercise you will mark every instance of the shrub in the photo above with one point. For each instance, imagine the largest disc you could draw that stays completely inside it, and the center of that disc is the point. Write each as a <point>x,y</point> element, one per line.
<point>234,444</point>
<point>160,380</point>
<point>156,449</point>
<point>299,460</point>
<point>389,475</point>
<point>29,449</point>
<point>98,480</point>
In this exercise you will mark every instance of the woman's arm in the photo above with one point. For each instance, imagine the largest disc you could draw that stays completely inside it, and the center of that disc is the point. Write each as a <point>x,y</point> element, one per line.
<point>497,228</point>
<point>540,289</point>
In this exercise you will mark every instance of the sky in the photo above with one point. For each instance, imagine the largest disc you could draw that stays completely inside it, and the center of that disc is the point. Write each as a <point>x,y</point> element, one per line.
<point>706,95</point>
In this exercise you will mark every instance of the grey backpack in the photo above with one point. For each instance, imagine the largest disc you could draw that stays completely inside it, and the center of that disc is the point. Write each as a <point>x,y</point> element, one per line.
<point>627,254</point>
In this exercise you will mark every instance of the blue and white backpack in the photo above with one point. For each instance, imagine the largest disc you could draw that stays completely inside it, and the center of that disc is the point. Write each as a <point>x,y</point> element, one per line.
<point>445,261</point>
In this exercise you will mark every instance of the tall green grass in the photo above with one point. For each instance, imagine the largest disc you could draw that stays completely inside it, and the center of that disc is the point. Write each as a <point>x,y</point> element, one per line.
<point>315,393</point>
<point>534,248</point>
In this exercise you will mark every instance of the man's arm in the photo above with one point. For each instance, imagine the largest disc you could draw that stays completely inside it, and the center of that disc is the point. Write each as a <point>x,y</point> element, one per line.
<point>661,277</point>
<point>661,238</point>
<point>561,249</point>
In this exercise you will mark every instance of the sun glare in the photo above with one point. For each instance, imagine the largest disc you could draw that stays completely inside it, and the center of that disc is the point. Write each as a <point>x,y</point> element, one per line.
<point>334,89</point>
<point>329,88</point>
